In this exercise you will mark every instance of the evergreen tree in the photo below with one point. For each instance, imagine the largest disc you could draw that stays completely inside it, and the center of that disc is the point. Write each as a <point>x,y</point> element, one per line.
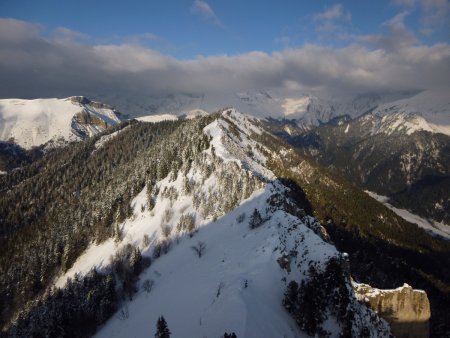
<point>230,335</point>
<point>162,331</point>
<point>255,219</point>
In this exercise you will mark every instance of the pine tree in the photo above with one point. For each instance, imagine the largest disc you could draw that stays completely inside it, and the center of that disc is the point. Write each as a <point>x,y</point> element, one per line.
<point>230,335</point>
<point>255,219</point>
<point>162,329</point>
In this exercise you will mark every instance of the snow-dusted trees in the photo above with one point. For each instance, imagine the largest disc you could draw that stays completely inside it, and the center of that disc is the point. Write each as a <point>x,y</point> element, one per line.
<point>230,335</point>
<point>162,330</point>
<point>166,230</point>
<point>255,219</point>
<point>199,248</point>
<point>147,285</point>
<point>231,185</point>
<point>321,294</point>
<point>91,300</point>
<point>186,223</point>
<point>79,196</point>
<point>240,218</point>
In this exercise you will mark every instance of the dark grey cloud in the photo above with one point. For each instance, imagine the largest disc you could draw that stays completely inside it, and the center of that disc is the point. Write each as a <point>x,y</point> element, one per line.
<point>35,66</point>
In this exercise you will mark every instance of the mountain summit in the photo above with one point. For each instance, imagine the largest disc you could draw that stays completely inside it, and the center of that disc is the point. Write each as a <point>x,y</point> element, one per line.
<point>31,123</point>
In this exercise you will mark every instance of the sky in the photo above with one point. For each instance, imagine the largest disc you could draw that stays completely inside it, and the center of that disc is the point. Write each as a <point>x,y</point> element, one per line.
<point>139,49</point>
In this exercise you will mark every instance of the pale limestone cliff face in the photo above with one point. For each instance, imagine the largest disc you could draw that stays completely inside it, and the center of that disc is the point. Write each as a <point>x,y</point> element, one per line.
<point>84,117</point>
<point>407,310</point>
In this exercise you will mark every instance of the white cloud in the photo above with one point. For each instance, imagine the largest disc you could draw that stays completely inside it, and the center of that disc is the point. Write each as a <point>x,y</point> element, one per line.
<point>66,34</point>
<point>205,10</point>
<point>434,13</point>
<point>333,13</point>
<point>331,22</point>
<point>136,72</point>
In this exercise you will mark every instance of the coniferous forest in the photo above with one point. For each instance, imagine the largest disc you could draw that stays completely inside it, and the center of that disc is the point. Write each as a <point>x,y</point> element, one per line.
<point>72,197</point>
<point>76,196</point>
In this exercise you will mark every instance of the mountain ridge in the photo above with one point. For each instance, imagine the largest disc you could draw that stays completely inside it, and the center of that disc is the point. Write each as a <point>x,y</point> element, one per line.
<point>31,123</point>
<point>206,166</point>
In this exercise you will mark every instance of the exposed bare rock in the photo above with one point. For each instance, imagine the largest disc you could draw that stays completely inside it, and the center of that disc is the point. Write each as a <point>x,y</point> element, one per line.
<point>407,310</point>
<point>84,117</point>
<point>84,100</point>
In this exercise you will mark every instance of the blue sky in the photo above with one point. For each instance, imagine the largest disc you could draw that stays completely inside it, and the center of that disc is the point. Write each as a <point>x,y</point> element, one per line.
<point>142,51</point>
<point>188,28</point>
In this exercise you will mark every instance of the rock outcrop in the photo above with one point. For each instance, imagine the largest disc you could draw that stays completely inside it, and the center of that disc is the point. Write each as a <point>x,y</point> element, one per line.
<point>84,117</point>
<point>82,100</point>
<point>407,310</point>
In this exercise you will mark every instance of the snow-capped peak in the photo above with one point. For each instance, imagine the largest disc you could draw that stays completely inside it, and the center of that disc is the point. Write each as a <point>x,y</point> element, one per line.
<point>32,123</point>
<point>402,122</point>
<point>428,111</point>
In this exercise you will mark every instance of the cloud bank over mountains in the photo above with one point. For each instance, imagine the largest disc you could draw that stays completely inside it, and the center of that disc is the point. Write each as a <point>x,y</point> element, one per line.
<point>34,63</point>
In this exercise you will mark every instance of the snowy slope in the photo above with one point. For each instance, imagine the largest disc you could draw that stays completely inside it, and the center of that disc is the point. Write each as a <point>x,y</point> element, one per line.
<point>157,118</point>
<point>207,296</point>
<point>172,117</point>
<point>238,283</point>
<point>428,110</point>
<point>431,226</point>
<point>35,122</point>
<point>191,114</point>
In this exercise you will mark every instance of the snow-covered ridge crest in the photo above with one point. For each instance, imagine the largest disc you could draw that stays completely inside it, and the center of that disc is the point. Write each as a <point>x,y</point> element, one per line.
<point>239,281</point>
<point>191,114</point>
<point>428,111</point>
<point>231,139</point>
<point>35,122</point>
<point>226,154</point>
<point>157,118</point>
<point>403,122</point>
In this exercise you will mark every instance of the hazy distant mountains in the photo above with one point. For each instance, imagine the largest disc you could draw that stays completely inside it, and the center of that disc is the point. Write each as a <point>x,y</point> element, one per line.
<point>307,110</point>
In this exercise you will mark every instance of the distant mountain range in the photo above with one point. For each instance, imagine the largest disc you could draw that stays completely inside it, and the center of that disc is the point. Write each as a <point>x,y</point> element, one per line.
<point>34,122</point>
<point>305,109</point>
<point>399,149</point>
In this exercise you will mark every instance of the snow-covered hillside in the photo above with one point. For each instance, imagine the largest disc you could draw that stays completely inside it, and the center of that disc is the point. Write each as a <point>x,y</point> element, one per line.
<point>191,114</point>
<point>225,244</point>
<point>428,110</point>
<point>434,227</point>
<point>157,118</point>
<point>35,122</point>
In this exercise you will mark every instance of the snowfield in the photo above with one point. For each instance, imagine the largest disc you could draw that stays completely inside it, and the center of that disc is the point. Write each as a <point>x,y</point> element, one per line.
<point>157,118</point>
<point>428,111</point>
<point>35,122</point>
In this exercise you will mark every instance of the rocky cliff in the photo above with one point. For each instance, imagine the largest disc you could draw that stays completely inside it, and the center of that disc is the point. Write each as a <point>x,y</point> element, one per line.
<point>407,310</point>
